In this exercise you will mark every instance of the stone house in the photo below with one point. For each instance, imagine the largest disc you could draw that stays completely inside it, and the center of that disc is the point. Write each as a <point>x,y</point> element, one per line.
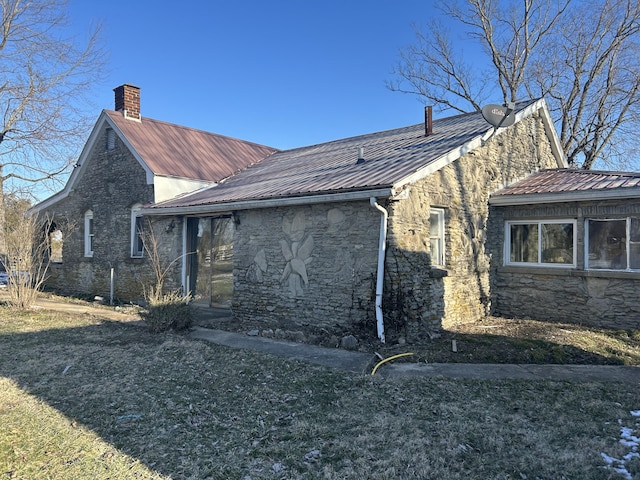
<point>383,233</point>
<point>394,233</point>
<point>129,161</point>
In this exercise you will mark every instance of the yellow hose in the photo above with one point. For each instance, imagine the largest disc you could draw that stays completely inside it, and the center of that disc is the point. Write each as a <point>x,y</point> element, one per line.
<point>381,362</point>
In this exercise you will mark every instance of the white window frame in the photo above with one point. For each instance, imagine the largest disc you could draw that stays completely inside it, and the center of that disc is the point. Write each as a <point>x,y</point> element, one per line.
<point>439,259</point>
<point>135,234</point>
<point>628,244</point>
<point>539,223</point>
<point>89,234</point>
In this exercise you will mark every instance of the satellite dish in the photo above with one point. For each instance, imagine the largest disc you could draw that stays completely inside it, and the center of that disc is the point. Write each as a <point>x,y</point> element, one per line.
<point>499,115</point>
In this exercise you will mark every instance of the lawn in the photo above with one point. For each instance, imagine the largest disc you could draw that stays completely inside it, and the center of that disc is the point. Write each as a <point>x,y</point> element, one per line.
<point>87,397</point>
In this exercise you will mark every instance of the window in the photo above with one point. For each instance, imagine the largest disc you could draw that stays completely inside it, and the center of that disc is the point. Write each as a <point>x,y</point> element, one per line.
<point>55,242</point>
<point>137,232</point>
<point>549,243</point>
<point>436,236</point>
<point>88,234</point>
<point>110,141</point>
<point>612,244</point>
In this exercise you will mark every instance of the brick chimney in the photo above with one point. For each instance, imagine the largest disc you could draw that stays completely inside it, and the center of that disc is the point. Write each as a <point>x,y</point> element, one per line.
<point>128,101</point>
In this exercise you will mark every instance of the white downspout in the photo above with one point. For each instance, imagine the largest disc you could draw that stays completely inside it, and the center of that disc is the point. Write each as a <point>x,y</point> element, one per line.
<point>382,246</point>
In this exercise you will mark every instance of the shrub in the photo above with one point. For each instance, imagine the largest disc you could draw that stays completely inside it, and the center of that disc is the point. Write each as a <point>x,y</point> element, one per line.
<point>27,256</point>
<point>170,311</point>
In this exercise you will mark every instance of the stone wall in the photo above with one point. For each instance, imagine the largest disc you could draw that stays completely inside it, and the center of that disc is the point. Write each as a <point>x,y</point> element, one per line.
<point>563,294</point>
<point>112,182</point>
<point>315,266</point>
<point>423,298</point>
<point>311,266</point>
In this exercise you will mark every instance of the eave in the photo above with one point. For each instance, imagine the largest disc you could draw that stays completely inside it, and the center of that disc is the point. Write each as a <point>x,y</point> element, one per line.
<point>564,197</point>
<point>226,207</point>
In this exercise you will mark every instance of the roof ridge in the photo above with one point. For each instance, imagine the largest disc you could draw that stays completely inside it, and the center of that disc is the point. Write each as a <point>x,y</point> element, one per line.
<point>520,105</point>
<point>592,172</point>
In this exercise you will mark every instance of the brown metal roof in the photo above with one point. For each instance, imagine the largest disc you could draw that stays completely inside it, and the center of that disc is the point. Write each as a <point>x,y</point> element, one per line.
<point>332,167</point>
<point>183,152</point>
<point>565,180</point>
<point>563,185</point>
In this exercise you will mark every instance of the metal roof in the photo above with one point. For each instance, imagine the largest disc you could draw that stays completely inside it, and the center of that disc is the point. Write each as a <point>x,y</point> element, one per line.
<point>183,152</point>
<point>558,185</point>
<point>332,167</point>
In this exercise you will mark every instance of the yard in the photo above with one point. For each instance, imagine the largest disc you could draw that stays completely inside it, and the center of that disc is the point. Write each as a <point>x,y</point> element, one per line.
<point>86,396</point>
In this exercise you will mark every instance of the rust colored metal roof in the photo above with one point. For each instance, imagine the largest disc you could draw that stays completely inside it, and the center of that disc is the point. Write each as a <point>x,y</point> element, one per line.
<point>332,167</point>
<point>569,184</point>
<point>184,152</point>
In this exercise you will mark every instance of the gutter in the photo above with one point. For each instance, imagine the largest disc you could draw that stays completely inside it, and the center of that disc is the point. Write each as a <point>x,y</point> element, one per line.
<point>562,197</point>
<point>382,245</point>
<point>266,203</point>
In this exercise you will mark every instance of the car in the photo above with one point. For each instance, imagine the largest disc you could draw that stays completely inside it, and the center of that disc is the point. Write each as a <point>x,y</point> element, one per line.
<point>5,277</point>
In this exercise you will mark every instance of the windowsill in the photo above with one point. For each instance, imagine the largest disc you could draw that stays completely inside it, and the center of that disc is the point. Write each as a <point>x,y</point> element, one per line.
<point>570,272</point>
<point>438,272</point>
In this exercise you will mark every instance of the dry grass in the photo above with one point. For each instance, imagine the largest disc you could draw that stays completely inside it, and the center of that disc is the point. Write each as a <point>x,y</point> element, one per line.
<point>94,398</point>
<point>496,340</point>
<point>502,340</point>
<point>40,442</point>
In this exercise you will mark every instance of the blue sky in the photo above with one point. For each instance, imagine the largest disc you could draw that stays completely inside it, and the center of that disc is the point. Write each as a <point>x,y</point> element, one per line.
<point>280,73</point>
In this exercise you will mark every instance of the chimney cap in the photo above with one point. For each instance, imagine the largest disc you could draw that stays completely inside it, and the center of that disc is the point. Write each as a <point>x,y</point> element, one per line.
<point>124,85</point>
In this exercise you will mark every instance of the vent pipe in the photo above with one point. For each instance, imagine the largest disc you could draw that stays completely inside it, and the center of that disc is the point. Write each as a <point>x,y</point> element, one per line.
<point>428,120</point>
<point>360,156</point>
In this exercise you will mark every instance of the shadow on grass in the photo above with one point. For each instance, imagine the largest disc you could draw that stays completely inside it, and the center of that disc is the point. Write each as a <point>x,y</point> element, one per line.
<point>186,408</point>
<point>486,348</point>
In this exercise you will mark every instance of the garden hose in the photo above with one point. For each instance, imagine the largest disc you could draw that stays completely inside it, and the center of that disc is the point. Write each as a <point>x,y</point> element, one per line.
<point>381,362</point>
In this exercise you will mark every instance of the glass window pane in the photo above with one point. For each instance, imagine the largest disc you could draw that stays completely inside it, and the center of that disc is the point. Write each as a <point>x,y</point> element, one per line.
<point>634,244</point>
<point>436,254</point>
<point>557,243</point>
<point>436,234</point>
<point>524,243</point>
<point>139,245</point>
<point>607,244</point>
<point>91,234</point>
<point>434,225</point>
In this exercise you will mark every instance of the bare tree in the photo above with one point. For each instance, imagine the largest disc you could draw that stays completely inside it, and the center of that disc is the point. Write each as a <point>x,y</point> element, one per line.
<point>161,267</point>
<point>166,310</point>
<point>582,56</point>
<point>28,252</point>
<point>44,79</point>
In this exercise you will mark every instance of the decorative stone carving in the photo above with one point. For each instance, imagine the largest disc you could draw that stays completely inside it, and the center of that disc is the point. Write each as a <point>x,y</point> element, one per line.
<point>296,249</point>
<point>335,218</point>
<point>256,271</point>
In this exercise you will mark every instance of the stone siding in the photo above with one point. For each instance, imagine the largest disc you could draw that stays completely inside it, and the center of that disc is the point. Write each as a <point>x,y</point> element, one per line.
<point>111,183</point>
<point>310,266</point>
<point>424,298</point>
<point>563,294</point>
<point>315,266</point>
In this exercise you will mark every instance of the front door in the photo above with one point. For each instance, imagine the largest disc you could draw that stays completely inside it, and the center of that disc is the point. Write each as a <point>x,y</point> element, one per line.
<point>210,260</point>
